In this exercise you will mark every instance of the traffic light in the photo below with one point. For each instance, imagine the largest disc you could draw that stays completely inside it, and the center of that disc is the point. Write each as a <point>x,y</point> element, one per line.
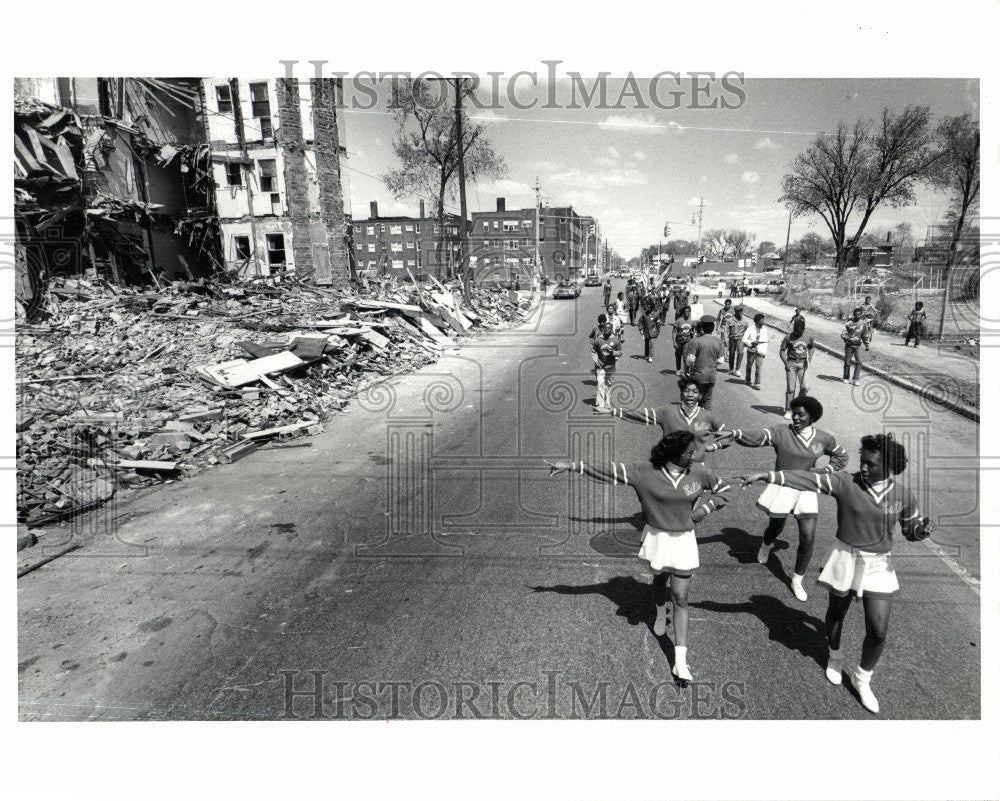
<point>666,231</point>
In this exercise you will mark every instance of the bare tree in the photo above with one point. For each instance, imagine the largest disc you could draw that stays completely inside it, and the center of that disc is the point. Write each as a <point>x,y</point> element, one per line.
<point>855,170</point>
<point>715,242</point>
<point>427,147</point>
<point>739,242</point>
<point>957,171</point>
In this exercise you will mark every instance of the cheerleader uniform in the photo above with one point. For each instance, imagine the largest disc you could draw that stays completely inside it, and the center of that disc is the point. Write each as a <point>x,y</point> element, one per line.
<point>861,561</point>
<point>676,417</point>
<point>668,500</point>
<point>794,451</point>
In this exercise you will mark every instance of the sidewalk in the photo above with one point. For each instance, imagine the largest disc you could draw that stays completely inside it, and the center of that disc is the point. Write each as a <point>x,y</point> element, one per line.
<point>949,378</point>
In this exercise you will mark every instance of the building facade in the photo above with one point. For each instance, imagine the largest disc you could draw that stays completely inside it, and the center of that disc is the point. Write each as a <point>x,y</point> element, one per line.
<point>393,245</point>
<point>278,160</point>
<point>505,243</point>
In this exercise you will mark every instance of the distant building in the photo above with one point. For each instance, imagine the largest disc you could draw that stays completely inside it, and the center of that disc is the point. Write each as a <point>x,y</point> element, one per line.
<point>503,242</point>
<point>393,245</point>
<point>278,157</point>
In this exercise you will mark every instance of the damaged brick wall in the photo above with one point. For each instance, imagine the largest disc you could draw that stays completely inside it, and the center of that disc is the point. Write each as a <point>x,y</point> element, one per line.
<point>296,181</point>
<point>331,198</point>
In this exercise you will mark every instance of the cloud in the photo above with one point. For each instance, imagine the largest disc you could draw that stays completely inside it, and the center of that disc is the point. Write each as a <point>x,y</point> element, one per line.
<point>639,155</point>
<point>613,152</point>
<point>696,201</point>
<point>640,123</point>
<point>767,143</point>
<point>732,158</point>
<point>751,177</point>
<point>612,214</point>
<point>546,166</point>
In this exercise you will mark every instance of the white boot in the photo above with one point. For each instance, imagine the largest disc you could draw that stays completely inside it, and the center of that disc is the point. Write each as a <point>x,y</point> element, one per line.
<point>834,666</point>
<point>862,683</point>
<point>680,664</point>
<point>797,589</point>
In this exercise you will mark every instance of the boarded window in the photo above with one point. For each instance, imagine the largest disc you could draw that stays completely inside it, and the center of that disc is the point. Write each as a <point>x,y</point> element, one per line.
<point>276,249</point>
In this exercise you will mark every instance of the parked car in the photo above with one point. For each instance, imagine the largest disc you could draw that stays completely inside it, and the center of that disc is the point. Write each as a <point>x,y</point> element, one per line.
<point>592,279</point>
<point>775,287</point>
<point>711,272</point>
<point>566,289</point>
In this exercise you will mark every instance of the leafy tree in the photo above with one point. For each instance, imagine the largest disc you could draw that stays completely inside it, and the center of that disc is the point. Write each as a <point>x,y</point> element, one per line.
<point>957,171</point>
<point>427,146</point>
<point>810,245</point>
<point>859,168</point>
<point>739,242</point>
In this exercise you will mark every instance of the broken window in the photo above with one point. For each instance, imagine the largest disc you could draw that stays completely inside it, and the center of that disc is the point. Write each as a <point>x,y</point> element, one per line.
<point>268,175</point>
<point>260,106</point>
<point>234,175</point>
<point>224,98</point>
<point>242,246</point>
<point>276,249</point>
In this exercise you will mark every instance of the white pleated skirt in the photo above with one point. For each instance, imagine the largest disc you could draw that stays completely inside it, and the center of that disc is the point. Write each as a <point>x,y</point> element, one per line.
<point>780,501</point>
<point>851,570</point>
<point>670,551</point>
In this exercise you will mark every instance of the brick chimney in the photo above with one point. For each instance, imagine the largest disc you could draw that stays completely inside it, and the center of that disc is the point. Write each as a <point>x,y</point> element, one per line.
<point>501,204</point>
<point>373,208</point>
<point>422,210</point>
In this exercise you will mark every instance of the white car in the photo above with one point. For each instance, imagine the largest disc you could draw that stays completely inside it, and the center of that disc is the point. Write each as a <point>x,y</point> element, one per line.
<point>711,272</point>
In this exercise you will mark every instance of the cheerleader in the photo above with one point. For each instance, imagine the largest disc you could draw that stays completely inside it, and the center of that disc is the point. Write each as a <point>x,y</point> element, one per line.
<point>688,415</point>
<point>869,503</point>
<point>797,446</point>
<point>669,488</point>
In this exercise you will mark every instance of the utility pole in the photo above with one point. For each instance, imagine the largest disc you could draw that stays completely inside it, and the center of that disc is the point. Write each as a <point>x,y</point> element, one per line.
<point>788,239</point>
<point>701,211</point>
<point>538,217</point>
<point>463,234</point>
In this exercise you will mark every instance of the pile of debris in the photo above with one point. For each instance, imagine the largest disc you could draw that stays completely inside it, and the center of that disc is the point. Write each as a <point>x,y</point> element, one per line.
<point>124,387</point>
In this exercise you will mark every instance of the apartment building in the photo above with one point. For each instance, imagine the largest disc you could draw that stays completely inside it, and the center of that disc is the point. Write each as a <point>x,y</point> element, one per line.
<point>393,245</point>
<point>278,160</point>
<point>505,245</point>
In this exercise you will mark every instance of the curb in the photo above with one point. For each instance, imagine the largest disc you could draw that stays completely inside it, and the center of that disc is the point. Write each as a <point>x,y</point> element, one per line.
<point>942,400</point>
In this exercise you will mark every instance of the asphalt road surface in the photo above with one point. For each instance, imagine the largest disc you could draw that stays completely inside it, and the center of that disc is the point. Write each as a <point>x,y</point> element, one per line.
<point>417,561</point>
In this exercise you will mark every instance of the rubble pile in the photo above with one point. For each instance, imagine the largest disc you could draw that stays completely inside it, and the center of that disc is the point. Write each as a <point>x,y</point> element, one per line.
<point>123,387</point>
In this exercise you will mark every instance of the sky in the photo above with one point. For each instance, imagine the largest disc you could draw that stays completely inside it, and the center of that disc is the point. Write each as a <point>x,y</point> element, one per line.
<point>636,169</point>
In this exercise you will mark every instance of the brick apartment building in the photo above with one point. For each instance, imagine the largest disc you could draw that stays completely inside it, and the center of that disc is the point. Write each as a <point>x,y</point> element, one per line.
<point>392,245</point>
<point>278,157</point>
<point>503,242</point>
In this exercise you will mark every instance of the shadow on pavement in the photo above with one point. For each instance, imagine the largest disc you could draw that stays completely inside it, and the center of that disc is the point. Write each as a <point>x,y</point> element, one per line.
<point>793,628</point>
<point>778,410</point>
<point>829,377</point>
<point>742,545</point>
<point>637,520</point>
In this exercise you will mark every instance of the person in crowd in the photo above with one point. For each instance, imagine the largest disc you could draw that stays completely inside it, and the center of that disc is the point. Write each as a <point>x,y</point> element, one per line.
<point>870,313</point>
<point>795,353</point>
<point>671,490</point>
<point>607,292</point>
<point>916,319</point>
<point>723,319</point>
<point>649,324</point>
<point>737,329</point>
<point>798,446</point>
<point>870,502</point>
<point>855,334</point>
<point>633,293</point>
<point>682,333</point>
<point>697,309</point>
<point>595,332</point>
<point>608,350</point>
<point>663,297</point>
<point>621,308</point>
<point>687,415</point>
<point>756,339</point>
<point>701,357</point>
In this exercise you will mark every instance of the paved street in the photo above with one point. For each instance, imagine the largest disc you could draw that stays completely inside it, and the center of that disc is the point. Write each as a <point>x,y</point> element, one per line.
<point>418,551</point>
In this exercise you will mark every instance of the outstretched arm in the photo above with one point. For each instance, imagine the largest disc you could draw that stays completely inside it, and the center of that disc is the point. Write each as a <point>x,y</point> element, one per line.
<point>802,480</point>
<point>646,415</point>
<point>612,473</point>
<point>838,458</point>
<point>750,438</point>
<point>714,502</point>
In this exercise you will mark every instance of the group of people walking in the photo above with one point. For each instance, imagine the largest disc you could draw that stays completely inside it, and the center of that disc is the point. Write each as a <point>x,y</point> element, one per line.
<point>677,490</point>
